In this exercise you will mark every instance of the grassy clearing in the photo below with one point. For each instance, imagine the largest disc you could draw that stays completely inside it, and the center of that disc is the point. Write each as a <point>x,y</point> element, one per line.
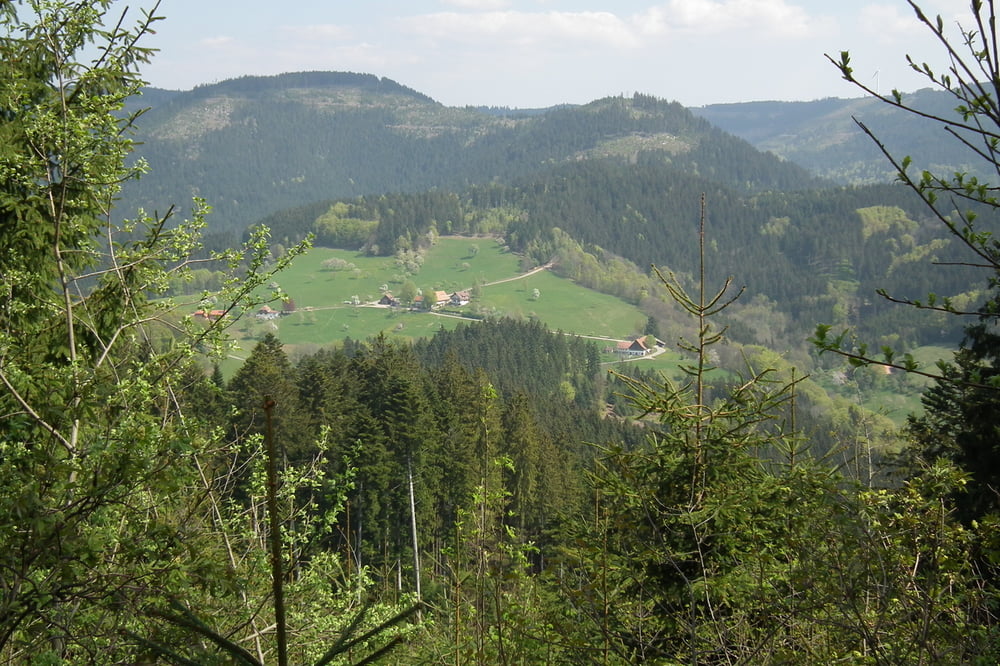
<point>324,297</point>
<point>563,305</point>
<point>898,395</point>
<point>326,325</point>
<point>309,284</point>
<point>454,264</point>
<point>449,265</point>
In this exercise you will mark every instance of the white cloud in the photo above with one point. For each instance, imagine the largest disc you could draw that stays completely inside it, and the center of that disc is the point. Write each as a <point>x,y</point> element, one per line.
<point>524,28</point>
<point>350,56</point>
<point>895,24</point>
<point>890,24</point>
<point>697,18</point>
<point>710,17</point>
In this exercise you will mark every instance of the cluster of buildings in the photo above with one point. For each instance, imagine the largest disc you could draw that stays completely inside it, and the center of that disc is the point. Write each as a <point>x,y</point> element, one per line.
<point>441,299</point>
<point>636,347</point>
<point>265,312</point>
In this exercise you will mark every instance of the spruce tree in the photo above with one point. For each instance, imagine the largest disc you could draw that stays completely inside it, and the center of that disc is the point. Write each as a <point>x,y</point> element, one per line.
<point>267,373</point>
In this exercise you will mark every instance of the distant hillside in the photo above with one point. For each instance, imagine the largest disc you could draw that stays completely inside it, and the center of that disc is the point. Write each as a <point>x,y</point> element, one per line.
<point>368,164</point>
<point>256,145</point>
<point>805,257</point>
<point>823,137</point>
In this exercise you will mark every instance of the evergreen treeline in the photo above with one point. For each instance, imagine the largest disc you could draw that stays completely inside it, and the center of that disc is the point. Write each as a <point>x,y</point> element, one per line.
<point>444,411</point>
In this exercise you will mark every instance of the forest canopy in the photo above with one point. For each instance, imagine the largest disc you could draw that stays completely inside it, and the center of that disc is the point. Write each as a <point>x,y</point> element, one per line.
<point>474,497</point>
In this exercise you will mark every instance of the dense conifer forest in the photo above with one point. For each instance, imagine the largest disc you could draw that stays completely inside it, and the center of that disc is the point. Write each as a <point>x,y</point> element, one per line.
<point>489,494</point>
<point>262,144</point>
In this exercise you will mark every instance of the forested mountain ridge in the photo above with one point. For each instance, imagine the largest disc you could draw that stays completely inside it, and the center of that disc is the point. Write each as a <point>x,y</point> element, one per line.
<point>822,135</point>
<point>256,145</point>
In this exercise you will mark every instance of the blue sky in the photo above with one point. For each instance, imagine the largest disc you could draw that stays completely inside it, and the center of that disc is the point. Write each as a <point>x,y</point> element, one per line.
<point>536,53</point>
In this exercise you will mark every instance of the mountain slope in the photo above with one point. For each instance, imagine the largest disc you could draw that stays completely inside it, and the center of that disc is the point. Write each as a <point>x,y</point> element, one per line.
<point>621,177</point>
<point>257,145</point>
<point>823,137</point>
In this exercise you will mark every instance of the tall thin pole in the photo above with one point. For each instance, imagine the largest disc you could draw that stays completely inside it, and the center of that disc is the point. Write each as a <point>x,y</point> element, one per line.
<point>277,576</point>
<point>413,528</point>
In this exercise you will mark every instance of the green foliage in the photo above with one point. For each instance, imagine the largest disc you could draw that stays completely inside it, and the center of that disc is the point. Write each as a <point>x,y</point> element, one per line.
<point>134,488</point>
<point>98,452</point>
<point>494,610</point>
<point>722,541</point>
<point>407,293</point>
<point>332,135</point>
<point>336,228</point>
<point>960,422</point>
<point>327,611</point>
<point>267,372</point>
<point>882,219</point>
<point>84,444</point>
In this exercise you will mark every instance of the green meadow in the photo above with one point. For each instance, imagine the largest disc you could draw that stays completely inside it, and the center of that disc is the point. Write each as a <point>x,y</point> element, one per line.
<point>449,266</point>
<point>563,305</point>
<point>336,303</point>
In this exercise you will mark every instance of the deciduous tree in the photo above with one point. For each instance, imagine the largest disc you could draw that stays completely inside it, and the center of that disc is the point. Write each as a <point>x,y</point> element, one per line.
<point>960,421</point>
<point>96,452</point>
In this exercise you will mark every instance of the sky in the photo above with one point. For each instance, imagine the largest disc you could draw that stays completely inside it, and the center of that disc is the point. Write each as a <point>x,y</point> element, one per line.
<point>538,53</point>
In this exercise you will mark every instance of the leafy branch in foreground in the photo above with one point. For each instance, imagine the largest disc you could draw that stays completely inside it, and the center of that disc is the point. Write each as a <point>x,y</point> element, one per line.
<point>963,204</point>
<point>94,446</point>
<point>959,422</point>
